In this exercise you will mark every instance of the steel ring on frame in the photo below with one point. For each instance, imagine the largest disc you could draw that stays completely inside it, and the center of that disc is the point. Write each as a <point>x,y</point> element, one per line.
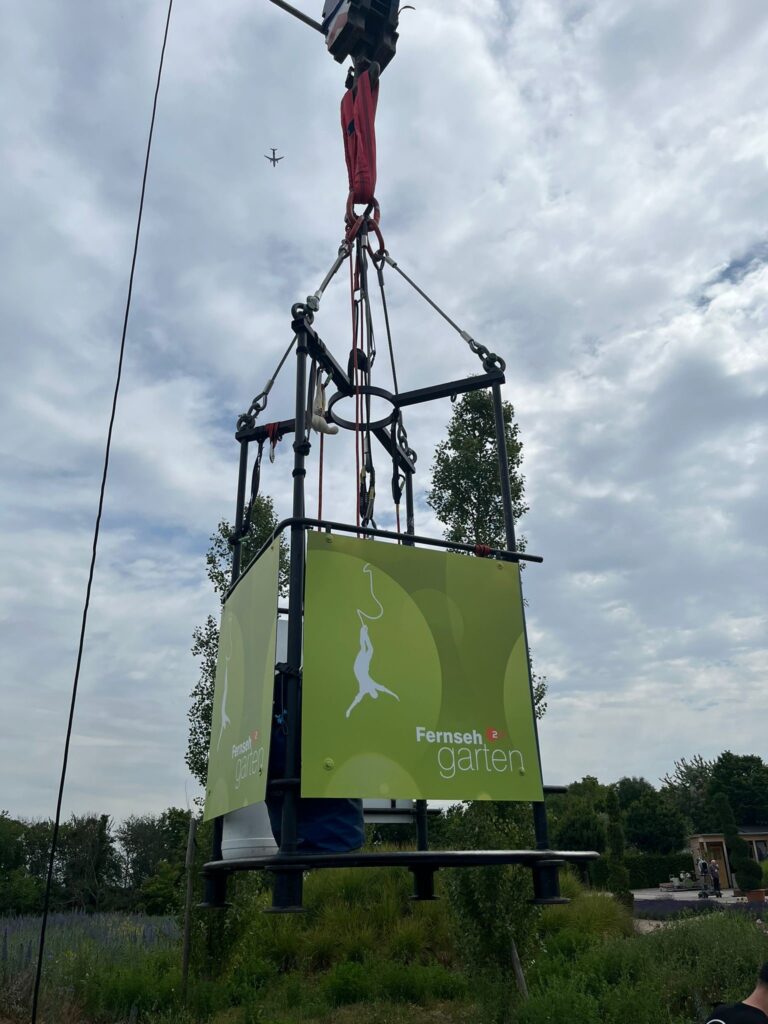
<point>365,389</point>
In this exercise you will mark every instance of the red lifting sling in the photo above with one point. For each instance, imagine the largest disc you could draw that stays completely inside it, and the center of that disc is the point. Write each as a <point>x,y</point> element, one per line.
<point>358,123</point>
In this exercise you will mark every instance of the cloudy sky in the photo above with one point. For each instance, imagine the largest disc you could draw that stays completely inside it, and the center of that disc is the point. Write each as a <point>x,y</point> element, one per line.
<point>582,183</point>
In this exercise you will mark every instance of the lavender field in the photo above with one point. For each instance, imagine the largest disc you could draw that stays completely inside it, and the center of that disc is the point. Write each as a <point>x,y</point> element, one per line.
<point>81,948</point>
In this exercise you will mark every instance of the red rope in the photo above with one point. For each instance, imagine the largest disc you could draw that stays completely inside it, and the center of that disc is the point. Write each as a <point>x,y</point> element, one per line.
<point>353,280</point>
<point>273,433</point>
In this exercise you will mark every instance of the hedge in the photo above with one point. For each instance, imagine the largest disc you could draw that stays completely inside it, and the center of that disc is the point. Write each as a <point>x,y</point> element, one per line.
<point>646,870</point>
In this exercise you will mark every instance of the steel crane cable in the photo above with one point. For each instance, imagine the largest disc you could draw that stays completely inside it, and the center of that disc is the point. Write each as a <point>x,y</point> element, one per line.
<point>301,15</point>
<point>399,435</point>
<point>368,469</point>
<point>96,531</point>
<point>359,375</point>
<point>248,419</point>
<point>490,360</point>
<point>385,308</point>
<point>353,378</point>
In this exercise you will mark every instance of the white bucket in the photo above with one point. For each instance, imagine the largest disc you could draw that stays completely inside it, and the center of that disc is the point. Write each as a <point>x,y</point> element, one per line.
<point>247,833</point>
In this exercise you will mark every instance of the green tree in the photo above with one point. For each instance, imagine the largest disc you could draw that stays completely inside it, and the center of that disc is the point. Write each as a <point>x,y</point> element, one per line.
<point>748,873</point>
<point>577,817</point>
<point>629,790</point>
<point>36,842</point>
<point>465,493</point>
<point>688,787</point>
<point>146,840</point>
<point>618,875</point>
<point>492,905</point>
<point>161,892</point>
<point>579,827</point>
<point>590,789</point>
<point>11,849</point>
<point>88,862</point>
<point>139,845</point>
<point>654,825</point>
<point>744,780</point>
<point>616,845</point>
<point>205,638</point>
<point>20,892</point>
<point>173,824</point>
<point>466,490</point>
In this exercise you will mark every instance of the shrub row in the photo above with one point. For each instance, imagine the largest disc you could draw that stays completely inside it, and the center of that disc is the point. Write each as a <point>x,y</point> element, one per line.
<point>646,870</point>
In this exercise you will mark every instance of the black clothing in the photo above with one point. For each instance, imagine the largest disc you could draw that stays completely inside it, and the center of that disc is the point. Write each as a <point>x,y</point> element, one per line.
<point>737,1013</point>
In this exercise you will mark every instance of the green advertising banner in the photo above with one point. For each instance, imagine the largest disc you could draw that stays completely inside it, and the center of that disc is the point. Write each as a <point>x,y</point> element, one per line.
<point>242,700</point>
<point>415,676</point>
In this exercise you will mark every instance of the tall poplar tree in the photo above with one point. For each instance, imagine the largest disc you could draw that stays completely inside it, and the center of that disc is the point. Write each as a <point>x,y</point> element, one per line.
<point>466,490</point>
<point>465,494</point>
<point>205,638</point>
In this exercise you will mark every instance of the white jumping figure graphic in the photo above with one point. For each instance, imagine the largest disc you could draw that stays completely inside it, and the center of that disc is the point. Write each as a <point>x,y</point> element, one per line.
<point>362,665</point>
<point>227,631</point>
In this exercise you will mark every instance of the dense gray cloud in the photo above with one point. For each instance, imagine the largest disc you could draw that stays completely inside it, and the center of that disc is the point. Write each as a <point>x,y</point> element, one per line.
<point>582,184</point>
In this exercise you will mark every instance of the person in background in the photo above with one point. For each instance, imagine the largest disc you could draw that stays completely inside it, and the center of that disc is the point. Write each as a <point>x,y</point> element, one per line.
<point>714,874</point>
<point>703,874</point>
<point>753,1010</point>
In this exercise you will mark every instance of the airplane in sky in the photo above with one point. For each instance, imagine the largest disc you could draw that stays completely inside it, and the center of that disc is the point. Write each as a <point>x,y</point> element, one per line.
<point>274,158</point>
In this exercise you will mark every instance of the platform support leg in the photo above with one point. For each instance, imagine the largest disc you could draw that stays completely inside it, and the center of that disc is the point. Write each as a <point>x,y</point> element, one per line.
<point>545,877</point>
<point>288,887</point>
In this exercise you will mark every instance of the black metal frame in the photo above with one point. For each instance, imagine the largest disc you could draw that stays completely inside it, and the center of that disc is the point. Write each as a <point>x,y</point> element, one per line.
<point>366,531</point>
<point>289,865</point>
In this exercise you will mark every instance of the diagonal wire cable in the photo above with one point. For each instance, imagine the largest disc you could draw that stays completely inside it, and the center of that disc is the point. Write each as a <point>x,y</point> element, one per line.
<point>299,14</point>
<point>97,527</point>
<point>380,274</point>
<point>423,294</point>
<point>489,360</point>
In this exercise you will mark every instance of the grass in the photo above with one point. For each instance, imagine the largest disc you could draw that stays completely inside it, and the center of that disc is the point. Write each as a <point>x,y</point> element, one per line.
<point>365,953</point>
<point>674,975</point>
<point>362,940</point>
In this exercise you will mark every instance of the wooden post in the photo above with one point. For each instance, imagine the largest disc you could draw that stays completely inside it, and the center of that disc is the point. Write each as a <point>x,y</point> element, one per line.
<point>189,864</point>
<point>518,969</point>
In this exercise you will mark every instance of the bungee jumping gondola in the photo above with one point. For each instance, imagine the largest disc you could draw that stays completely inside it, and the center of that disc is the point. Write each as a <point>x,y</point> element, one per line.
<point>405,673</point>
<point>307,735</point>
